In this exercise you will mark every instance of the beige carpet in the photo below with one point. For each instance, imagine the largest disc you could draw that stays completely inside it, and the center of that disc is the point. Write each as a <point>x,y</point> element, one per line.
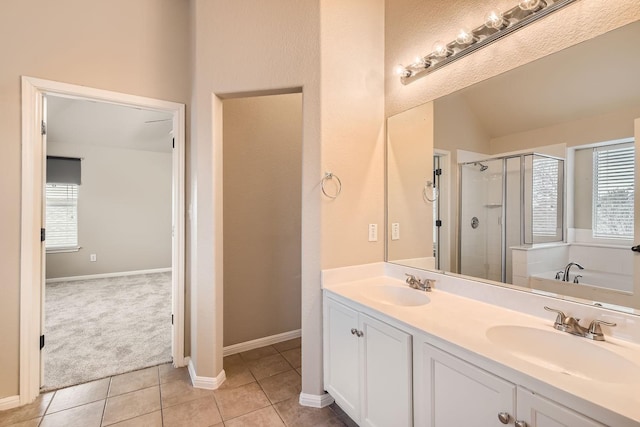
<point>102,327</point>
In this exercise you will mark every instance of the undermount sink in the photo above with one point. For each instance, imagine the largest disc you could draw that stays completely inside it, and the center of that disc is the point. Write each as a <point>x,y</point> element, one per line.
<point>395,295</point>
<point>565,353</point>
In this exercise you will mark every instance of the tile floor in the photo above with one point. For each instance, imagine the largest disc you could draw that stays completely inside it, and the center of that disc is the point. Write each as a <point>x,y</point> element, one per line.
<point>262,389</point>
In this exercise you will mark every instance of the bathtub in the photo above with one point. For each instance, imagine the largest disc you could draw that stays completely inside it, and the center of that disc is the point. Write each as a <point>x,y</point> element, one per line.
<point>593,278</point>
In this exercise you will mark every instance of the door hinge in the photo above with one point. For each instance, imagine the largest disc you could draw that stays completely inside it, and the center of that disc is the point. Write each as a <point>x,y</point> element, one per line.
<point>438,223</point>
<point>43,128</point>
<point>437,171</point>
<point>173,143</point>
<point>41,342</point>
<point>172,319</point>
<point>43,234</point>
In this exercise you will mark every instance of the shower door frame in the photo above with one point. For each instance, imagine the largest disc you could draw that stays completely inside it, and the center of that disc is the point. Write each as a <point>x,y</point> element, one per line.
<point>503,222</point>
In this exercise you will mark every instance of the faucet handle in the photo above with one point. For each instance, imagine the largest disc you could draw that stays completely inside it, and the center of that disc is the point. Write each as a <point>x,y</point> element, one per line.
<point>560,319</point>
<point>413,281</point>
<point>595,331</point>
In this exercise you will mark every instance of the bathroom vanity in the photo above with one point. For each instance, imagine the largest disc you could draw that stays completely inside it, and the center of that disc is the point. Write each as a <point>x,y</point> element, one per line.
<point>397,356</point>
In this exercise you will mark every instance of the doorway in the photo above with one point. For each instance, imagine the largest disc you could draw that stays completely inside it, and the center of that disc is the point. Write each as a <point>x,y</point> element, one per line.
<point>33,251</point>
<point>107,210</point>
<point>262,208</point>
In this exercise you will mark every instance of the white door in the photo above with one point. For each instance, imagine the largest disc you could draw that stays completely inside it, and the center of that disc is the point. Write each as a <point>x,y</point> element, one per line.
<point>636,222</point>
<point>386,398</point>
<point>450,384</point>
<point>341,348</point>
<point>536,411</point>
<point>43,250</point>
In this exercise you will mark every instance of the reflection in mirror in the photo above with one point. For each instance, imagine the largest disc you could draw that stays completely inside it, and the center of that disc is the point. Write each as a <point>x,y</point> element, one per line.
<point>507,203</point>
<point>410,174</point>
<point>540,167</point>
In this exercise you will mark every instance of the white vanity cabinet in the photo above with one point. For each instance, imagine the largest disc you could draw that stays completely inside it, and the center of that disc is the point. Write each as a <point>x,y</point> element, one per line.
<point>367,367</point>
<point>537,411</point>
<point>453,392</point>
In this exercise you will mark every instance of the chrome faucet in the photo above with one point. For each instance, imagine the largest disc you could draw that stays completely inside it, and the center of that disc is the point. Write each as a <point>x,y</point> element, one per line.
<point>417,283</point>
<point>565,276</point>
<point>572,326</point>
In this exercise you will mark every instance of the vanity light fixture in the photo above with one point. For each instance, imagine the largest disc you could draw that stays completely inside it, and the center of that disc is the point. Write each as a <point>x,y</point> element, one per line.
<point>496,25</point>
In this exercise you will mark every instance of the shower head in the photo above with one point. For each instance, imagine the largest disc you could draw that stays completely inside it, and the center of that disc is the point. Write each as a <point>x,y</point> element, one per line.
<point>483,167</point>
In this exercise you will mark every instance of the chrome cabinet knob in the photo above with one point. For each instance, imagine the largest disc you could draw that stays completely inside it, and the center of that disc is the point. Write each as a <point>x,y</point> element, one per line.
<point>360,334</point>
<point>504,417</point>
<point>520,424</point>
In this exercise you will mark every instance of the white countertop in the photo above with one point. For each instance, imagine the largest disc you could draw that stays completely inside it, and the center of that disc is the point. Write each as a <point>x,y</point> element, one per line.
<point>463,322</point>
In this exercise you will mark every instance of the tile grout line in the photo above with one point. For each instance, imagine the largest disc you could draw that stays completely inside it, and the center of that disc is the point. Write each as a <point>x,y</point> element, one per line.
<point>160,391</point>
<point>47,408</point>
<point>215,399</point>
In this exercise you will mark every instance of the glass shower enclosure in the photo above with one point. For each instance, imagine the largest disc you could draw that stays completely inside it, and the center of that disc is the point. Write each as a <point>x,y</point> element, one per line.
<point>506,202</point>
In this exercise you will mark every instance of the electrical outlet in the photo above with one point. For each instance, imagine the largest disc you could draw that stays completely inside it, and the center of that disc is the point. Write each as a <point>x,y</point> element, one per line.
<point>395,231</point>
<point>93,257</point>
<point>373,232</point>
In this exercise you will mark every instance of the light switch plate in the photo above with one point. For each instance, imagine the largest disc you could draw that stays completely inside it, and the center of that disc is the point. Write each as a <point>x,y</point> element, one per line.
<point>373,232</point>
<point>395,231</point>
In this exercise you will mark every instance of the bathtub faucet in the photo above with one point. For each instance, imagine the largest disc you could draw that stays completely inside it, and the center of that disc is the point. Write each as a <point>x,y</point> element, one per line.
<point>565,277</point>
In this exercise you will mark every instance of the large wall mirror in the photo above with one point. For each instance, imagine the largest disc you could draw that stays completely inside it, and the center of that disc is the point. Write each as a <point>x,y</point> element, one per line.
<point>527,179</point>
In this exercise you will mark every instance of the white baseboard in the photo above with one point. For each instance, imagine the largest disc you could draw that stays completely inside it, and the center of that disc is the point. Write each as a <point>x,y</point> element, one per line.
<point>261,342</point>
<point>107,275</point>
<point>315,401</point>
<point>207,383</point>
<point>9,402</point>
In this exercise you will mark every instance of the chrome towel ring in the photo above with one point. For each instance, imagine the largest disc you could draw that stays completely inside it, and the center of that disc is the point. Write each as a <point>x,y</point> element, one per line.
<point>425,192</point>
<point>328,176</point>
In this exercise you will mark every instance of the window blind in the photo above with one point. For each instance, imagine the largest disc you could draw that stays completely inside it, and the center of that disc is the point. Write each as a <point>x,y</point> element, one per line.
<point>613,191</point>
<point>61,216</point>
<point>545,196</point>
<point>63,170</point>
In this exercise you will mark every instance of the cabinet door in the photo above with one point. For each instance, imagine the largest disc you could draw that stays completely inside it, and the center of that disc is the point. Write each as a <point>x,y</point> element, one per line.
<point>537,411</point>
<point>455,393</point>
<point>387,373</point>
<point>341,348</point>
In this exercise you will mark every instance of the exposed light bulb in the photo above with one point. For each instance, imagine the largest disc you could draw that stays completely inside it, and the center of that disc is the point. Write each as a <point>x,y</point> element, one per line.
<point>441,50</point>
<point>420,61</point>
<point>465,37</point>
<point>529,4</point>
<point>401,71</point>
<point>494,19</point>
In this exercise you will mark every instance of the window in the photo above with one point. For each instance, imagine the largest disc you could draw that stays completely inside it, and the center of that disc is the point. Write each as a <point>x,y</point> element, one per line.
<point>613,191</point>
<point>61,216</point>
<point>545,197</point>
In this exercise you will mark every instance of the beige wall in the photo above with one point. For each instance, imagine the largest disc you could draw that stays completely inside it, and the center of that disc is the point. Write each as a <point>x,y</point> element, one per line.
<point>352,73</point>
<point>279,49</point>
<point>136,47</point>
<point>409,167</point>
<point>124,211</point>
<point>276,49</point>
<point>262,216</point>
<point>588,130</point>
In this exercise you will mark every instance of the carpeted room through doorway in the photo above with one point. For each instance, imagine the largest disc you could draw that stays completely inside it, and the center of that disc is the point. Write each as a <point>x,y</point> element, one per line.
<point>101,327</point>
